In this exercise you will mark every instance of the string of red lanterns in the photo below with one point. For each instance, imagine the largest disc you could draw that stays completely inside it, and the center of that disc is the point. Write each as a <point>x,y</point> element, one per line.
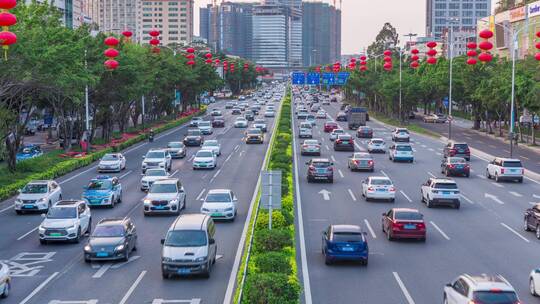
<point>471,53</point>
<point>431,53</point>
<point>363,63</point>
<point>246,67</point>
<point>414,58</point>
<point>387,66</point>
<point>7,19</point>
<point>336,67</point>
<point>485,46</point>
<point>537,45</point>
<point>154,41</point>
<point>111,53</point>
<point>190,56</point>
<point>127,35</point>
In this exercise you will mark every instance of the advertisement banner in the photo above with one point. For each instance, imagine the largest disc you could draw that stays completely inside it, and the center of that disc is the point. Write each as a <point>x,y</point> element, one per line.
<point>518,14</point>
<point>533,9</point>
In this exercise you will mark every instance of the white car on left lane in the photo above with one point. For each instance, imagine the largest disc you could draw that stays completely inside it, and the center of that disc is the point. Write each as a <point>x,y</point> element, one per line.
<point>38,195</point>
<point>68,220</point>
<point>112,162</point>
<point>5,281</point>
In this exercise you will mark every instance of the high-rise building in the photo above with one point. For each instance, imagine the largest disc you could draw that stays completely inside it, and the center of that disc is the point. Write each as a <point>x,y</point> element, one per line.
<point>460,14</point>
<point>70,10</point>
<point>204,21</point>
<point>112,16</point>
<point>172,18</point>
<point>321,33</point>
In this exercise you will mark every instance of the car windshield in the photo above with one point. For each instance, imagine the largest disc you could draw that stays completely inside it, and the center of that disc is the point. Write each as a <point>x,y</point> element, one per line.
<point>218,198</point>
<point>361,155</point>
<point>347,237</point>
<point>381,182</point>
<point>512,164</point>
<point>461,146</point>
<point>310,117</point>
<point>345,137</point>
<point>154,172</point>
<point>495,297</point>
<point>254,132</point>
<point>163,188</point>
<point>320,164</point>
<point>204,124</point>
<point>186,238</point>
<point>210,143</point>
<point>204,154</point>
<point>61,213</point>
<point>338,131</point>
<point>109,157</point>
<point>155,155</point>
<point>445,186</point>
<point>108,231</point>
<point>408,215</point>
<point>175,145</point>
<point>311,142</point>
<point>403,131</point>
<point>241,119</point>
<point>260,121</point>
<point>99,184</point>
<point>193,132</point>
<point>34,189</point>
<point>457,160</point>
<point>403,148</point>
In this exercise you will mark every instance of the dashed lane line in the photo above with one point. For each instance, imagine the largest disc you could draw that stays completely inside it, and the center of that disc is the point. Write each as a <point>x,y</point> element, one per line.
<point>515,232</point>
<point>352,195</point>
<point>371,231</point>
<point>340,173</point>
<point>403,288</point>
<point>440,230</point>
<point>405,195</point>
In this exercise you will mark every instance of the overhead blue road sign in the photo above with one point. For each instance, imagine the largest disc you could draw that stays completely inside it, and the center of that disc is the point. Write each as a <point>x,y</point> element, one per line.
<point>298,78</point>
<point>329,78</point>
<point>342,78</point>
<point>313,78</point>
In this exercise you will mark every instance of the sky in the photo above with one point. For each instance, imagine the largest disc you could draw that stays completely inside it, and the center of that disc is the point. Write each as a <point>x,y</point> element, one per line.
<point>363,19</point>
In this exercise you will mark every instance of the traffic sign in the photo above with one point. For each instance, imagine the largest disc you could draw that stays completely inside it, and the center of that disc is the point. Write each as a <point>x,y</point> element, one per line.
<point>298,78</point>
<point>342,78</point>
<point>329,78</point>
<point>313,78</point>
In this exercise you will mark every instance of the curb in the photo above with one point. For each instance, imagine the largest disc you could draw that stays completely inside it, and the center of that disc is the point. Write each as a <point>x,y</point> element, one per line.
<point>522,145</point>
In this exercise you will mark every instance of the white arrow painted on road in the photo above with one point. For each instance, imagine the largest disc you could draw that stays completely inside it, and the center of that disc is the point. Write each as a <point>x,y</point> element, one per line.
<point>536,196</point>
<point>326,194</point>
<point>493,197</point>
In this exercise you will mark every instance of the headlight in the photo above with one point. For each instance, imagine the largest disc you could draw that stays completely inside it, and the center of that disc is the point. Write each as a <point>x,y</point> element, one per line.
<point>229,209</point>
<point>18,202</point>
<point>119,247</point>
<point>162,164</point>
<point>174,201</point>
<point>201,259</point>
<point>41,200</point>
<point>87,248</point>
<point>147,201</point>
<point>41,229</point>
<point>205,210</point>
<point>166,259</point>
<point>107,199</point>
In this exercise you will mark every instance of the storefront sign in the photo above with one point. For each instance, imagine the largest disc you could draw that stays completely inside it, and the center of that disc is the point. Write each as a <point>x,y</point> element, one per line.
<point>518,14</point>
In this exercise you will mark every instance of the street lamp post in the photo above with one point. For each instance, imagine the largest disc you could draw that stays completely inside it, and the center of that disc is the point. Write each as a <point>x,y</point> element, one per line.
<point>451,55</point>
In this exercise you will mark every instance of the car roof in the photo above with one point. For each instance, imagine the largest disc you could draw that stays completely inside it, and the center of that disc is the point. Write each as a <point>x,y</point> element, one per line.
<point>509,159</point>
<point>194,221</point>
<point>68,203</point>
<point>320,160</point>
<point>443,180</point>
<point>346,228</point>
<point>377,138</point>
<point>379,177</point>
<point>166,181</point>
<point>455,158</point>
<point>113,221</point>
<point>210,140</point>
<point>157,150</point>
<point>219,191</point>
<point>488,282</point>
<point>405,210</point>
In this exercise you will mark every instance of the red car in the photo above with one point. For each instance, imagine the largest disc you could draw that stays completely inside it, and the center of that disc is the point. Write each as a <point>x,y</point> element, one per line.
<point>404,223</point>
<point>330,126</point>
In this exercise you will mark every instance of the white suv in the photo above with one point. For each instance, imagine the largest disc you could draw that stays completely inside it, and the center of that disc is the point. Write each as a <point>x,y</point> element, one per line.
<point>66,221</point>
<point>400,134</point>
<point>220,204</point>
<point>440,191</point>
<point>505,169</point>
<point>159,158</point>
<point>38,196</point>
<point>165,196</point>
<point>151,176</point>
<point>479,289</point>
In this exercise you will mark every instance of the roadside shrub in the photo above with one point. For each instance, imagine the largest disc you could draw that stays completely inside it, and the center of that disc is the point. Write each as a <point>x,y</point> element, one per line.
<point>271,288</point>
<point>272,240</point>
<point>278,220</point>
<point>274,262</point>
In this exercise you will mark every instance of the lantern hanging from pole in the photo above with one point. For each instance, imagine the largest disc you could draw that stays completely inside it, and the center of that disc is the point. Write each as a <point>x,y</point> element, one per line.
<point>387,59</point>
<point>387,66</point>
<point>415,58</point>
<point>208,61</point>
<point>485,57</point>
<point>387,53</point>
<point>363,58</point>
<point>190,63</point>
<point>485,34</point>
<point>111,53</point>
<point>7,19</point>
<point>208,55</point>
<point>415,51</point>
<point>363,68</point>
<point>190,56</point>
<point>153,33</point>
<point>471,61</point>
<point>414,64</point>
<point>190,50</point>
<point>431,60</point>
<point>127,35</point>
<point>485,46</point>
<point>471,53</point>
<point>431,53</point>
<point>471,45</point>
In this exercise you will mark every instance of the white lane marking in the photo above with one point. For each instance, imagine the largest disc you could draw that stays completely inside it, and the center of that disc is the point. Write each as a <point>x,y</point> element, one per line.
<point>405,195</point>
<point>340,173</point>
<point>440,230</point>
<point>424,146</point>
<point>481,176</point>
<point>431,149</point>
<point>200,194</point>
<point>6,209</point>
<point>174,173</point>
<point>524,157</point>
<point>352,195</point>
<point>403,288</point>
<point>240,154</point>
<point>192,157</point>
<point>536,196</point>
<point>533,203</point>
<point>217,173</point>
<point>101,271</point>
<point>333,158</point>
<point>438,153</point>
<point>132,288</point>
<point>236,148</point>
<point>125,174</point>
<point>77,175</point>
<point>515,232</point>
<point>39,288</point>
<point>384,173</point>
<point>228,157</point>
<point>371,231</point>
<point>327,148</point>
<point>467,199</point>
<point>26,234</point>
<point>494,198</point>
<point>515,194</point>
<point>497,185</point>
<point>431,174</point>
<point>326,194</point>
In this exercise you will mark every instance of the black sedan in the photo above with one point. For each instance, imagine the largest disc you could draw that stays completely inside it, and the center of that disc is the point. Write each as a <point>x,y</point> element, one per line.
<point>193,138</point>
<point>112,239</point>
<point>364,132</point>
<point>344,142</point>
<point>218,122</point>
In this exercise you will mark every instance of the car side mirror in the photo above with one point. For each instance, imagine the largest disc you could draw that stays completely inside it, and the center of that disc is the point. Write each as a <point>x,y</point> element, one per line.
<point>212,241</point>
<point>143,157</point>
<point>448,285</point>
<point>43,215</point>
<point>162,241</point>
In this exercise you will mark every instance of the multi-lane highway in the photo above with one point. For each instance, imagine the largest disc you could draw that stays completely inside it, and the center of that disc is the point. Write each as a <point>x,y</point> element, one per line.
<point>57,273</point>
<point>485,236</point>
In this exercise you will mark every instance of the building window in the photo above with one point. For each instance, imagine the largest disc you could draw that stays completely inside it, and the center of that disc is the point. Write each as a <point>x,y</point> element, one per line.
<point>173,15</point>
<point>173,3</point>
<point>481,5</point>
<point>147,26</point>
<point>147,9</point>
<point>173,25</point>
<point>147,15</point>
<point>147,20</point>
<point>440,13</point>
<point>467,13</point>
<point>173,9</point>
<point>147,3</point>
<point>454,6</point>
<point>440,5</point>
<point>173,32</point>
<point>467,21</point>
<point>467,5</point>
<point>173,20</point>
<point>173,38</point>
<point>453,13</point>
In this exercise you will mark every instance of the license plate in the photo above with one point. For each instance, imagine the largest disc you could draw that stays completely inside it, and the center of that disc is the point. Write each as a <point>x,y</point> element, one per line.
<point>320,177</point>
<point>159,207</point>
<point>102,254</point>
<point>184,270</point>
<point>202,165</point>
<point>409,226</point>
<point>28,206</point>
<point>446,192</point>
<point>381,190</point>
<point>345,142</point>
<point>347,248</point>
<point>514,170</point>
<point>216,214</point>
<point>56,234</point>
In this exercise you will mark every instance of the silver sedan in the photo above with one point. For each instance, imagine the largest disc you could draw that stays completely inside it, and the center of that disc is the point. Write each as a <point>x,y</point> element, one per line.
<point>311,147</point>
<point>361,161</point>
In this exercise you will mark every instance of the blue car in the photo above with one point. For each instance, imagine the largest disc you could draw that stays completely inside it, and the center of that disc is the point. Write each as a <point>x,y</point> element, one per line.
<point>344,243</point>
<point>103,190</point>
<point>28,151</point>
<point>401,152</point>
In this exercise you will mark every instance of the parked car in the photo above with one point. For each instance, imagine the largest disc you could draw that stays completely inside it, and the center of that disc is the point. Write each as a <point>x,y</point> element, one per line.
<point>344,243</point>
<point>39,195</point>
<point>404,223</point>
<point>28,151</point>
<point>112,239</point>
<point>430,118</point>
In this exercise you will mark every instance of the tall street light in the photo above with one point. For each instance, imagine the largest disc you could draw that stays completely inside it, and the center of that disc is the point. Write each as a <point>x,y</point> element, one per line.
<point>450,21</point>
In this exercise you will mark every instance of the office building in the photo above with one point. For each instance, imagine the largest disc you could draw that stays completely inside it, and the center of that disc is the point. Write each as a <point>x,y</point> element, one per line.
<point>321,33</point>
<point>111,16</point>
<point>172,18</point>
<point>204,21</point>
<point>461,14</point>
<point>70,10</point>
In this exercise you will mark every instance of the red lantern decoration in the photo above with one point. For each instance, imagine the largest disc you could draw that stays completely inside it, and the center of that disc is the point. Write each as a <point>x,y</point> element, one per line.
<point>363,68</point>
<point>431,60</point>
<point>485,57</point>
<point>153,33</point>
<point>111,53</point>
<point>471,45</point>
<point>415,51</point>
<point>537,45</point>
<point>190,56</point>
<point>485,45</point>
<point>208,55</point>
<point>154,41</point>
<point>387,53</point>
<point>415,57</point>
<point>156,50</point>
<point>363,58</point>
<point>217,61</point>
<point>111,64</point>
<point>208,61</point>
<point>471,61</point>
<point>387,59</point>
<point>363,62</point>
<point>7,19</point>
<point>537,56</point>
<point>486,34</point>
<point>387,66</point>
<point>111,41</point>
<point>414,64</point>
<point>431,44</point>
<point>7,38</point>
<point>7,4</point>
<point>190,50</point>
<point>431,52</point>
<point>191,62</point>
<point>538,34</point>
<point>472,53</point>
<point>127,34</point>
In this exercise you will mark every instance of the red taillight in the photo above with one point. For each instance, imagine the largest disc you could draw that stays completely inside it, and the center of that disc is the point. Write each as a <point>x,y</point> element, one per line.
<point>451,166</point>
<point>392,189</point>
<point>338,141</point>
<point>421,226</point>
<point>467,166</point>
<point>502,170</point>
<point>370,189</point>
<point>397,225</point>
<point>467,151</point>
<point>356,162</point>
<point>452,152</point>
<point>304,146</point>
<point>370,162</point>
<point>330,169</point>
<point>311,168</point>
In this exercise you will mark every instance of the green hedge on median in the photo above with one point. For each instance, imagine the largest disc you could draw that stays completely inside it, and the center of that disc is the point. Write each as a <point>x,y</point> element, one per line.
<point>50,165</point>
<point>272,273</point>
